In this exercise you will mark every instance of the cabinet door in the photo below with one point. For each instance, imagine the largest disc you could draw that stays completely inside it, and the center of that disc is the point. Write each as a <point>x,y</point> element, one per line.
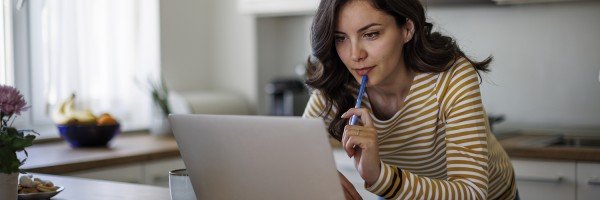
<point>126,173</point>
<point>545,180</point>
<point>157,172</point>
<point>278,7</point>
<point>588,181</point>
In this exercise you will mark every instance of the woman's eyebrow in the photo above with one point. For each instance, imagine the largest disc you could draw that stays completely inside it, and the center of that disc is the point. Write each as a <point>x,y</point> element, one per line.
<point>367,26</point>
<point>361,29</point>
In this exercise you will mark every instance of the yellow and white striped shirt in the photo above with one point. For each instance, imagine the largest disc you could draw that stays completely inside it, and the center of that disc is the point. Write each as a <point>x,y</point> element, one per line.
<point>439,145</point>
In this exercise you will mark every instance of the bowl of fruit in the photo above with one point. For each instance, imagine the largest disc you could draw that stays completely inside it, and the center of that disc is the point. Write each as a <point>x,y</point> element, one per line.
<point>83,128</point>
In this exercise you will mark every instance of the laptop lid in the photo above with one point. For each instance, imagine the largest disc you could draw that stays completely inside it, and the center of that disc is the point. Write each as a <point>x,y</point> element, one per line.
<point>257,157</point>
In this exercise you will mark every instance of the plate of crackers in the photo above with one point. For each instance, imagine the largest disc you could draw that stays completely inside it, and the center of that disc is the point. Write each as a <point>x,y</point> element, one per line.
<point>36,188</point>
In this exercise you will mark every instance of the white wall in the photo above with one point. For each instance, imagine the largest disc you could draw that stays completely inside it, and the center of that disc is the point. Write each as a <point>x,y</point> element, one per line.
<point>283,44</point>
<point>208,45</point>
<point>547,60</point>
<point>234,50</point>
<point>186,48</point>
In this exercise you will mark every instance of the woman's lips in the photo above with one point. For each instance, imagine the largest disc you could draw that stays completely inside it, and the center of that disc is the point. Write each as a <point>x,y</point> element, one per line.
<point>363,71</point>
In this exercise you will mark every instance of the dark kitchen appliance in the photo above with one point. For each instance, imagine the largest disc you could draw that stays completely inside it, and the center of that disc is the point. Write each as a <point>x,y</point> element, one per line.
<point>287,97</point>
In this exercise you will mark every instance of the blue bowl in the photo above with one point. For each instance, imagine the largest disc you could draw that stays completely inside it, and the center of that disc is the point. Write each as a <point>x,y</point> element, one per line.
<point>88,135</point>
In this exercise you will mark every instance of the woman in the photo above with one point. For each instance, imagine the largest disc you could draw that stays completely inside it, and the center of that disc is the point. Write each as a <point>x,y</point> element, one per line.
<point>423,132</point>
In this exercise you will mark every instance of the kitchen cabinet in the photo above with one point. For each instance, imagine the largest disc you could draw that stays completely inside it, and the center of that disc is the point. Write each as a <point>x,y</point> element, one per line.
<point>278,7</point>
<point>542,179</point>
<point>545,180</point>
<point>150,173</point>
<point>588,181</point>
<point>308,7</point>
<point>503,2</point>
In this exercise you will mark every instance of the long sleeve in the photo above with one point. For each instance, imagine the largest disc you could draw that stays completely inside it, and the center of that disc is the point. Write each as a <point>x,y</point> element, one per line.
<point>316,106</point>
<point>466,153</point>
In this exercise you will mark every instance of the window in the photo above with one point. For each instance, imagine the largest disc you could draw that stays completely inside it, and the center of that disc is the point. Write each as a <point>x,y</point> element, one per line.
<point>93,48</point>
<point>6,66</point>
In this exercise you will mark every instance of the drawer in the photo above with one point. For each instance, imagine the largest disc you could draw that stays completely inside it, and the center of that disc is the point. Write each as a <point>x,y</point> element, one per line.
<point>588,181</point>
<point>545,180</point>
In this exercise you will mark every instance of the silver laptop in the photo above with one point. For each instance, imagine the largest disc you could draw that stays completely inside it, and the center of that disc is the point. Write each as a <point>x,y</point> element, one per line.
<point>257,157</point>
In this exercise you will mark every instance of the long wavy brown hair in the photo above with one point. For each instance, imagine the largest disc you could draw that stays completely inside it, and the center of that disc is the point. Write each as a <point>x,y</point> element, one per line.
<point>428,51</point>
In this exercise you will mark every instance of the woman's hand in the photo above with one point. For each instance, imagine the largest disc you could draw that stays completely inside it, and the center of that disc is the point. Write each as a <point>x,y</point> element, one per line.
<point>349,190</point>
<point>360,142</point>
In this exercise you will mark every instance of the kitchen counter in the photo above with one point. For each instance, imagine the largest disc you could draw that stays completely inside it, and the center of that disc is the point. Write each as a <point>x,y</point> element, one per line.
<point>80,188</point>
<point>550,146</point>
<point>59,158</point>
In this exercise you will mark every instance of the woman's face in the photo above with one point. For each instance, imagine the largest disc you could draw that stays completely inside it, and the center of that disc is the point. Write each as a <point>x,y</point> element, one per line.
<point>369,42</point>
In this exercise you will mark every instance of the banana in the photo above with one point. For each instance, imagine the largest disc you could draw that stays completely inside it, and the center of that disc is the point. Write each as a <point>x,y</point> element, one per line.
<point>62,114</point>
<point>67,113</point>
<point>69,106</point>
<point>85,117</point>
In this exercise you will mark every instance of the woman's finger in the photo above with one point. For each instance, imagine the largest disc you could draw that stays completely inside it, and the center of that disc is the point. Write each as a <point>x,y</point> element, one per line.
<point>362,113</point>
<point>345,135</point>
<point>352,143</point>
<point>364,135</point>
<point>345,138</point>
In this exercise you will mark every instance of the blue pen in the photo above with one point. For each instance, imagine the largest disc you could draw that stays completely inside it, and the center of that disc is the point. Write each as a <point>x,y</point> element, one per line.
<point>361,92</point>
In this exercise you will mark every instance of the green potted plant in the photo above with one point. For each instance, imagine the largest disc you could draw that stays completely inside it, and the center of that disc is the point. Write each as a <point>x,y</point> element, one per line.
<point>160,97</point>
<point>12,140</point>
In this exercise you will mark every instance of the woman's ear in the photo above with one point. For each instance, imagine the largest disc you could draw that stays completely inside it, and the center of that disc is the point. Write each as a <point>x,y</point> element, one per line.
<point>409,30</point>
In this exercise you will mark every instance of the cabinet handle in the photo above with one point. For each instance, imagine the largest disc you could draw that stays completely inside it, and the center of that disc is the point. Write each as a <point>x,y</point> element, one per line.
<point>556,179</point>
<point>594,181</point>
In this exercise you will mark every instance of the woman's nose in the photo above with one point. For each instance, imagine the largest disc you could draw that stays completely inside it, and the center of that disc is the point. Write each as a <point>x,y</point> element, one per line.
<point>358,53</point>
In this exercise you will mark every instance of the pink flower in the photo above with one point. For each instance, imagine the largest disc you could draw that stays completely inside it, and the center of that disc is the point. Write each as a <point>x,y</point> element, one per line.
<point>11,101</point>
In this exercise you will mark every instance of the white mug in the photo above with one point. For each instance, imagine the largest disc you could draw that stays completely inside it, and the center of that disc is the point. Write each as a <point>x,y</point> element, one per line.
<point>180,185</point>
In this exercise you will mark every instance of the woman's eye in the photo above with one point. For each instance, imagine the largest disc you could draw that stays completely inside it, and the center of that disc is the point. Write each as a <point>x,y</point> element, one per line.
<point>372,35</point>
<point>339,39</point>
